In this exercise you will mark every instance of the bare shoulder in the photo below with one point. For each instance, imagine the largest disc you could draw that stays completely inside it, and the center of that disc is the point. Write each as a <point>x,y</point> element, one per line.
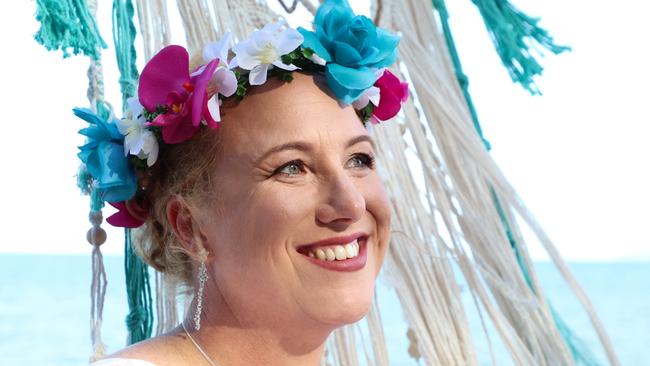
<point>164,350</point>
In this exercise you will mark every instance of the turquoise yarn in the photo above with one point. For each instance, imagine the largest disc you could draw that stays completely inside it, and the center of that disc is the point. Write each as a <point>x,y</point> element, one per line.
<point>68,25</point>
<point>124,37</point>
<point>139,320</point>
<point>513,34</point>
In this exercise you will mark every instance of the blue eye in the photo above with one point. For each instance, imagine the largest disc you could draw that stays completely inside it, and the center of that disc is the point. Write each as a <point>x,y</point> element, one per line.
<point>361,161</point>
<point>291,168</point>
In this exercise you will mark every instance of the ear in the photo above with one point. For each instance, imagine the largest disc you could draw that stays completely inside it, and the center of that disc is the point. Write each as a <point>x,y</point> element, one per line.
<point>181,217</point>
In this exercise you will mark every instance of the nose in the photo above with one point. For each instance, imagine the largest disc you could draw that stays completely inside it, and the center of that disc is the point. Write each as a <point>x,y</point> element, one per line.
<point>342,202</point>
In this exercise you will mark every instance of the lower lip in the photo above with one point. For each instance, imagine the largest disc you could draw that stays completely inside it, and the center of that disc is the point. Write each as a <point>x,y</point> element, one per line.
<point>347,265</point>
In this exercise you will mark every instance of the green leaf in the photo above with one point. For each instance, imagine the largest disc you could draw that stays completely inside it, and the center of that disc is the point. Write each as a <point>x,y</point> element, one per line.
<point>286,59</point>
<point>307,52</point>
<point>241,91</point>
<point>151,115</point>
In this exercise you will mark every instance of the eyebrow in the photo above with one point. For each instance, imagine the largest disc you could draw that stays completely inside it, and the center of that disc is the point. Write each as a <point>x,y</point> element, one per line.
<point>305,146</point>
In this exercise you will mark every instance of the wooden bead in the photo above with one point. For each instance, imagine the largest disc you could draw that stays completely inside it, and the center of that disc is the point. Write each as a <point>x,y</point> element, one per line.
<point>96,236</point>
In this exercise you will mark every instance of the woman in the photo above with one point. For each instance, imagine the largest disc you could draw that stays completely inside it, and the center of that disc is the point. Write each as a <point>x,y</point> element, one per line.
<point>277,218</point>
<point>294,178</point>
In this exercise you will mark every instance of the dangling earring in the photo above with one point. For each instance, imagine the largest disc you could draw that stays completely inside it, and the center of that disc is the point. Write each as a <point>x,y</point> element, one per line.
<point>203,278</point>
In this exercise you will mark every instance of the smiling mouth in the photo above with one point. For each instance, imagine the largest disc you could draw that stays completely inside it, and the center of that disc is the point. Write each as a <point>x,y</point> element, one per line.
<point>350,254</point>
<point>334,252</point>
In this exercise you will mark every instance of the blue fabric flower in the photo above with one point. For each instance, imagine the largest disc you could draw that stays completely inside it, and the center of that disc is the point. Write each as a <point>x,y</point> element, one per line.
<point>103,155</point>
<point>353,48</point>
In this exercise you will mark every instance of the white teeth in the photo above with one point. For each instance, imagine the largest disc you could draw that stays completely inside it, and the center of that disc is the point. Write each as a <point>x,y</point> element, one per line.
<point>350,251</point>
<point>336,252</point>
<point>340,252</point>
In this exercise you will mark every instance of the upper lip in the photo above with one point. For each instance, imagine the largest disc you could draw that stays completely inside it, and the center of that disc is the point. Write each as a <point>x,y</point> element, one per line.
<point>341,240</point>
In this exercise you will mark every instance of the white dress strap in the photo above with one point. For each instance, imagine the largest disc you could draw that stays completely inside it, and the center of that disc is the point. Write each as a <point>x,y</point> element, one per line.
<point>121,362</point>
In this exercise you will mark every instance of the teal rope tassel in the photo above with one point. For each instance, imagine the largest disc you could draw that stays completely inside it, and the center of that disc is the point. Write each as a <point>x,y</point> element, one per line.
<point>124,38</point>
<point>139,321</point>
<point>463,80</point>
<point>578,351</point>
<point>513,34</point>
<point>68,25</point>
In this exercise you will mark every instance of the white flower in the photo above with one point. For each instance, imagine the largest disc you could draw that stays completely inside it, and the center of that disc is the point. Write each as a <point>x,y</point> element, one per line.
<point>149,148</point>
<point>371,95</point>
<point>138,140</point>
<point>264,49</point>
<point>223,81</point>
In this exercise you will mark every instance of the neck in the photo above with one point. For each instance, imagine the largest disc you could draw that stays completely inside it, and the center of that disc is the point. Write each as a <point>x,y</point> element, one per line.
<point>229,340</point>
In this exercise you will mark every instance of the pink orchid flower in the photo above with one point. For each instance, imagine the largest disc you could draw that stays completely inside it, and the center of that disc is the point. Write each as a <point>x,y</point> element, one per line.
<point>166,81</point>
<point>123,218</point>
<point>393,92</point>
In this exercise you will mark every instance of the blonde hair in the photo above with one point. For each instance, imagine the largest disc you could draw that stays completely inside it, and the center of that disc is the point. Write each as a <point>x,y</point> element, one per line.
<point>183,171</point>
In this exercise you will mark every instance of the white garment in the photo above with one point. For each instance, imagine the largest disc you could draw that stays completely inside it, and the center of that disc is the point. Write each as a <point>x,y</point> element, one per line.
<point>121,362</point>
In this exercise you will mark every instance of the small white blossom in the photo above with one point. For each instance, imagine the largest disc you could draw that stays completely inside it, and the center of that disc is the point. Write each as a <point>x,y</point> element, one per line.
<point>149,148</point>
<point>371,95</point>
<point>264,49</point>
<point>138,140</point>
<point>223,81</point>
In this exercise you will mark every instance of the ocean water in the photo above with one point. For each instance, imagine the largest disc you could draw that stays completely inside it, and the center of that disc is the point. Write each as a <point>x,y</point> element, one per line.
<point>45,305</point>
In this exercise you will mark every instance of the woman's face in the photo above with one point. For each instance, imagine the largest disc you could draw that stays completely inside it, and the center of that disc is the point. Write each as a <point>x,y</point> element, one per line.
<point>296,176</point>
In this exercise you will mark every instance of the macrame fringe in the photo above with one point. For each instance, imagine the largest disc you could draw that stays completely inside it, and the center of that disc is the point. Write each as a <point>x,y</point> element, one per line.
<point>124,38</point>
<point>462,78</point>
<point>99,283</point>
<point>97,295</point>
<point>166,309</point>
<point>513,34</point>
<point>443,203</point>
<point>139,321</point>
<point>309,6</point>
<point>581,354</point>
<point>343,346</point>
<point>68,25</point>
<point>377,336</point>
<point>154,25</point>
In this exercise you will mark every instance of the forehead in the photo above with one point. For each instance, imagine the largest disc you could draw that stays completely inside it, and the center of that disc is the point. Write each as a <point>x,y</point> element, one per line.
<point>280,112</point>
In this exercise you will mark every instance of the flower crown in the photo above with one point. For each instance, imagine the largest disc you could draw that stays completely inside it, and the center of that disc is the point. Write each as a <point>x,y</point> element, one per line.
<point>173,103</point>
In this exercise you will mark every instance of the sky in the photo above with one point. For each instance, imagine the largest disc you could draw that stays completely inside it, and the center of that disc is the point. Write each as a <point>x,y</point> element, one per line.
<point>578,155</point>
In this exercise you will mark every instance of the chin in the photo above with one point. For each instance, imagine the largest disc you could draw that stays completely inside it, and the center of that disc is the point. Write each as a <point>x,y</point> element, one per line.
<point>345,307</point>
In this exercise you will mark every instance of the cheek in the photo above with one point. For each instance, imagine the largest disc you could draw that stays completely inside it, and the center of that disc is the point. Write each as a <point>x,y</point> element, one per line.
<point>251,242</point>
<point>378,205</point>
<point>271,214</point>
<point>257,227</point>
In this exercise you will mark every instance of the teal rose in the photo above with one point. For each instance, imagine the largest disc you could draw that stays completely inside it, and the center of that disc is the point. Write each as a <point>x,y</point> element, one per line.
<point>104,157</point>
<point>352,47</point>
